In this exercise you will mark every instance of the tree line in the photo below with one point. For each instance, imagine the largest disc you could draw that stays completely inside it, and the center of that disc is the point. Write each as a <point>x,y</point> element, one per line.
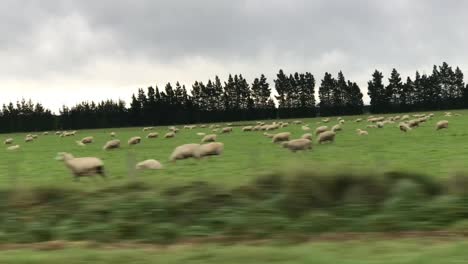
<point>237,99</point>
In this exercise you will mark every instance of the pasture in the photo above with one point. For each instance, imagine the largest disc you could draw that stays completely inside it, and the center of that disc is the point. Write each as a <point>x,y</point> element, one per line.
<point>246,154</point>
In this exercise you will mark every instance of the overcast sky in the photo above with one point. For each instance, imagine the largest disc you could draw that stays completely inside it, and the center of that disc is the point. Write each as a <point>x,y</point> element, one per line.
<point>65,51</point>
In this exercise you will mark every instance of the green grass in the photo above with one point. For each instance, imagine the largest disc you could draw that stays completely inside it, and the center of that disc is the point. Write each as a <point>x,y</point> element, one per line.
<point>403,251</point>
<point>247,154</point>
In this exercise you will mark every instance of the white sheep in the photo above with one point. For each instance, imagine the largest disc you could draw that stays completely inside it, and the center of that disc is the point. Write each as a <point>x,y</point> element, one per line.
<point>87,140</point>
<point>280,137</point>
<point>112,144</point>
<point>307,136</point>
<point>305,128</point>
<point>327,136</point>
<point>169,135</point>
<point>201,134</point>
<point>404,127</point>
<point>226,130</point>
<point>320,129</point>
<point>336,128</point>
<point>134,140</point>
<point>361,132</point>
<point>153,135</point>
<point>45,133</point>
<point>209,138</point>
<point>85,166</point>
<point>442,124</point>
<point>184,152</point>
<point>297,144</point>
<point>8,141</point>
<point>149,164</point>
<point>247,128</point>
<point>14,147</point>
<point>112,134</point>
<point>210,149</point>
<point>28,139</point>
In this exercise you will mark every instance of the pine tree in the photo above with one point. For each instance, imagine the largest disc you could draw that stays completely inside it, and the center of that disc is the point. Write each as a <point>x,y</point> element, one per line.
<point>376,92</point>
<point>394,90</point>
<point>325,94</point>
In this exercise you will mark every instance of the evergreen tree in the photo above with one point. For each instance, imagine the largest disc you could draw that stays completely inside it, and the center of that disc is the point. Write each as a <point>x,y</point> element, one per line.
<point>394,90</point>
<point>376,92</point>
<point>325,95</point>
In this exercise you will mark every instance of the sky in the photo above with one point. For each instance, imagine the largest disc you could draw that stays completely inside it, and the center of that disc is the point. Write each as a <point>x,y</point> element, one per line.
<point>60,52</point>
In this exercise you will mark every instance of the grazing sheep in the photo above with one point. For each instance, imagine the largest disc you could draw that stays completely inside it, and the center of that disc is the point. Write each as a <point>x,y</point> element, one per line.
<point>134,140</point>
<point>247,128</point>
<point>112,144</point>
<point>361,132</point>
<point>228,124</point>
<point>28,139</point>
<point>404,127</point>
<point>413,123</point>
<point>210,149</point>
<point>184,152</point>
<point>268,135</point>
<point>442,124</point>
<point>45,133</point>
<point>297,144</point>
<point>8,141</point>
<point>112,134</point>
<point>307,136</point>
<point>336,128</point>
<point>202,126</point>
<point>358,120</point>
<point>371,126</point>
<point>380,124</point>
<point>209,138</point>
<point>87,140</point>
<point>320,129</point>
<point>149,164</point>
<point>34,136</point>
<point>58,133</point>
<point>297,122</point>
<point>305,128</point>
<point>174,129</point>
<point>226,130</point>
<point>80,167</point>
<point>14,147</point>
<point>81,144</point>
<point>147,128</point>
<point>326,120</point>
<point>215,130</point>
<point>201,134</point>
<point>280,137</point>
<point>342,122</point>
<point>327,136</point>
<point>339,118</point>
<point>153,135</point>
<point>169,135</point>
<point>405,117</point>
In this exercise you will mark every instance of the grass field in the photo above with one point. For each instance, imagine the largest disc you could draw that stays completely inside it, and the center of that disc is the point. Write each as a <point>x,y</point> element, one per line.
<point>247,154</point>
<point>352,252</point>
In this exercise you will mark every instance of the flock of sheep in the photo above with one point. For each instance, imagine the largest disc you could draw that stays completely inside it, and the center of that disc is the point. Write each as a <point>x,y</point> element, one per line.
<point>209,146</point>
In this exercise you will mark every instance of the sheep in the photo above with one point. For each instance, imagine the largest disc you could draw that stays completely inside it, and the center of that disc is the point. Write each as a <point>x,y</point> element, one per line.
<point>202,126</point>
<point>112,134</point>
<point>297,144</point>
<point>327,136</point>
<point>247,128</point>
<point>28,139</point>
<point>326,120</point>
<point>380,124</point>
<point>215,130</point>
<point>268,135</point>
<point>173,129</point>
<point>14,147</point>
<point>34,136</point>
<point>342,122</point>
<point>358,120</point>
<point>79,143</point>
<point>134,140</point>
<point>320,129</point>
<point>184,152</point>
<point>169,135</point>
<point>307,136</point>
<point>147,128</point>
<point>112,144</point>
<point>305,128</point>
<point>149,164</point>
<point>58,133</point>
<point>442,124</point>
<point>371,126</point>
<point>85,166</point>
<point>45,133</point>
<point>210,149</point>
<point>280,137</point>
<point>226,130</point>
<point>336,128</point>
<point>209,138</point>
<point>87,140</point>
<point>404,127</point>
<point>201,134</point>
<point>339,118</point>
<point>361,132</point>
<point>152,135</point>
<point>8,141</point>
<point>228,124</point>
<point>405,117</point>
<point>413,123</point>
<point>297,122</point>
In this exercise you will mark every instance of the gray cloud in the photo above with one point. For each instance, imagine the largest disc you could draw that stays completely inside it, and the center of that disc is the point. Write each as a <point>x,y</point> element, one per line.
<point>78,50</point>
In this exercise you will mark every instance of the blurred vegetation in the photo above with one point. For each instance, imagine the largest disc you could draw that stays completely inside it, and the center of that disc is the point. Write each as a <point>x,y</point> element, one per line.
<point>271,206</point>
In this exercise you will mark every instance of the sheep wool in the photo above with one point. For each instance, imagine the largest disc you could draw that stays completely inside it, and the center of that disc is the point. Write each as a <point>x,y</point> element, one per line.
<point>14,147</point>
<point>210,149</point>
<point>184,152</point>
<point>153,135</point>
<point>320,129</point>
<point>169,135</point>
<point>134,140</point>
<point>442,124</point>
<point>112,144</point>
<point>298,144</point>
<point>307,136</point>
<point>336,128</point>
<point>226,130</point>
<point>87,140</point>
<point>247,128</point>
<point>149,164</point>
<point>8,141</point>
<point>327,136</point>
<point>280,137</point>
<point>209,138</point>
<point>85,166</point>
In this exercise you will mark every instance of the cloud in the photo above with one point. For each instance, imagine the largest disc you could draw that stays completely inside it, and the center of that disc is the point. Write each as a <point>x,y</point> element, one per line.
<point>63,51</point>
